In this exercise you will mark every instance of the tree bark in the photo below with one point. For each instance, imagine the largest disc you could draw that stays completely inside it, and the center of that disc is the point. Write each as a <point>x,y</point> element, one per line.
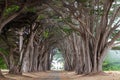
<point>1,75</point>
<point>13,68</point>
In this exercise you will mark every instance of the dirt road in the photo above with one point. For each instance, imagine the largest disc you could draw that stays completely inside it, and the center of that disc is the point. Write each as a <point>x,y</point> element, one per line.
<point>53,76</point>
<point>50,75</point>
<point>63,75</point>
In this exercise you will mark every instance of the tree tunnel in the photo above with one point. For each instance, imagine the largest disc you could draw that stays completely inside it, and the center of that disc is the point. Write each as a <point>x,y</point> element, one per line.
<point>35,32</point>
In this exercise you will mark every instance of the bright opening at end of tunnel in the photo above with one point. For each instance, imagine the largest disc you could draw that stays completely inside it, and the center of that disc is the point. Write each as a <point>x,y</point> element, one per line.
<point>57,63</point>
<point>112,61</point>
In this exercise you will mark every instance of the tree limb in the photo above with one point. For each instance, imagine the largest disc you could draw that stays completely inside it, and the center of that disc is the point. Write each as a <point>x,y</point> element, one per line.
<point>9,19</point>
<point>113,17</point>
<point>114,38</point>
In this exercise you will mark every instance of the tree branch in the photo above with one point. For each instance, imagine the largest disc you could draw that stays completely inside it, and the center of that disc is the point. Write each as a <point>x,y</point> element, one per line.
<point>114,27</point>
<point>104,19</point>
<point>116,44</point>
<point>9,19</point>
<point>114,38</point>
<point>113,17</point>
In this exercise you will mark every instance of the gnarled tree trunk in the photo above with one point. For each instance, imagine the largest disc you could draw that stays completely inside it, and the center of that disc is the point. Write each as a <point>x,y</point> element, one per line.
<point>89,58</point>
<point>13,67</point>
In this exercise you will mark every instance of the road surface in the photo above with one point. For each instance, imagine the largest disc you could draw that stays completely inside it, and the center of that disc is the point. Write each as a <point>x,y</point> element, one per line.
<point>63,75</point>
<point>48,75</point>
<point>54,75</point>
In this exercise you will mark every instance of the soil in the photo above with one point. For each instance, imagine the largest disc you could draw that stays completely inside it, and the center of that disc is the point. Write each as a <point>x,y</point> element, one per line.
<point>108,75</point>
<point>63,75</point>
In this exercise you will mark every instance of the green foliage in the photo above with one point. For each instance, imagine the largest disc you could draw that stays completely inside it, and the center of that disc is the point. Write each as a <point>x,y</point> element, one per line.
<point>2,63</point>
<point>98,11</point>
<point>41,16</point>
<point>116,48</point>
<point>58,56</point>
<point>58,2</point>
<point>81,1</point>
<point>67,30</point>
<point>68,19</point>
<point>111,66</point>
<point>58,19</point>
<point>46,34</point>
<point>111,62</point>
<point>3,51</point>
<point>30,9</point>
<point>11,9</point>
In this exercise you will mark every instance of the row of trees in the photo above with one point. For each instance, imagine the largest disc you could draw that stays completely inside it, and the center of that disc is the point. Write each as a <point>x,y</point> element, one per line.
<point>84,30</point>
<point>26,36</point>
<point>95,21</point>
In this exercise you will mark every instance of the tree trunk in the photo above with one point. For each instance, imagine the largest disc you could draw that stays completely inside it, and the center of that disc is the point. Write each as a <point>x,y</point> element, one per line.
<point>21,45</point>
<point>89,59</point>
<point>28,54</point>
<point>68,47</point>
<point>13,68</point>
<point>16,70</point>
<point>1,75</point>
<point>26,59</point>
